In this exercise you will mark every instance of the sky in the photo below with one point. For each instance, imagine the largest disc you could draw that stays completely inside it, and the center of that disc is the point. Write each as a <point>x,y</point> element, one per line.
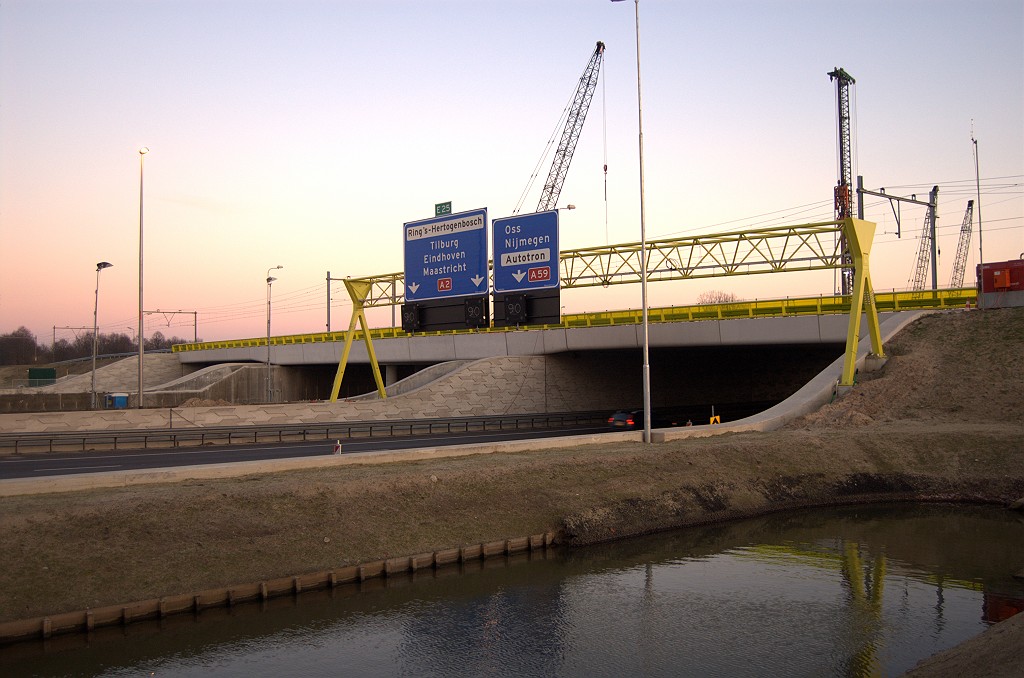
<point>304,134</point>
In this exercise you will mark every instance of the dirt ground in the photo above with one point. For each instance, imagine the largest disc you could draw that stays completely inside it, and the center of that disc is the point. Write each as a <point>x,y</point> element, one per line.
<point>942,420</point>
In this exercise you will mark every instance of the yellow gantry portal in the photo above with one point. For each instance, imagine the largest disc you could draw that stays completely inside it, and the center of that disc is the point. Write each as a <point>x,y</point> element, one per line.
<point>358,290</point>
<point>805,247</point>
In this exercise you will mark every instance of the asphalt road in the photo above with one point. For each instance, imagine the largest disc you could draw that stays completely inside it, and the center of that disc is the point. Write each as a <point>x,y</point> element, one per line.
<point>55,464</point>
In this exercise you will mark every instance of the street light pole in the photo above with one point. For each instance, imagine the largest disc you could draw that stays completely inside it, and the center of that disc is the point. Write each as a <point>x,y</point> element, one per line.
<point>142,155</point>
<point>643,239</point>
<point>977,183</point>
<point>270,381</point>
<point>95,326</point>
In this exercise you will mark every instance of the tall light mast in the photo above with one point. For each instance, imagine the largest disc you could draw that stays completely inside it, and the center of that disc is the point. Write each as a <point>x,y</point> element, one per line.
<point>844,189</point>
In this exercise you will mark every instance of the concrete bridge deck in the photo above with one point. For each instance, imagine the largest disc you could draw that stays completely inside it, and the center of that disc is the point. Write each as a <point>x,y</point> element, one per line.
<point>493,385</point>
<point>474,345</point>
<point>803,320</point>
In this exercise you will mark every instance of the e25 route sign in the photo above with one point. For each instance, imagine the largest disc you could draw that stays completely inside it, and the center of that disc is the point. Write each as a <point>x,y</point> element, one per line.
<point>446,256</point>
<point>526,252</point>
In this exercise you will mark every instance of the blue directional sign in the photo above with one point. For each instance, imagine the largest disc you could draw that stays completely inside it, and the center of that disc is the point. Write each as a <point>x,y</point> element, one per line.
<point>446,256</point>
<point>526,252</point>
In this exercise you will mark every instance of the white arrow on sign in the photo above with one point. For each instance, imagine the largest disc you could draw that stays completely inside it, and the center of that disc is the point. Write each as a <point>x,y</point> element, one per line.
<point>519,275</point>
<point>413,287</point>
<point>476,280</point>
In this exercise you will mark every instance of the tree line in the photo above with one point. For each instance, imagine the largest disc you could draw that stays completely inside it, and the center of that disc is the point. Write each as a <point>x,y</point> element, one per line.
<point>21,347</point>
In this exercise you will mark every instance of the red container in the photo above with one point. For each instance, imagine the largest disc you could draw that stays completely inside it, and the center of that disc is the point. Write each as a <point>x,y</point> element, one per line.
<point>1001,276</point>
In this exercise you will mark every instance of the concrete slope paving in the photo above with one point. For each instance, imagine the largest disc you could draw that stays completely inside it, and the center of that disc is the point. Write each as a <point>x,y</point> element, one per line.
<point>121,376</point>
<point>490,386</point>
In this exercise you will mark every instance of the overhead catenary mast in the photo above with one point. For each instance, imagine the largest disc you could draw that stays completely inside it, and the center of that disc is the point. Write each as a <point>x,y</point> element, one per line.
<point>843,190</point>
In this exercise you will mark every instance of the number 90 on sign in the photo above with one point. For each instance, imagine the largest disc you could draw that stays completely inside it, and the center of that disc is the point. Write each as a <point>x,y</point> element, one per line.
<point>476,312</point>
<point>515,309</point>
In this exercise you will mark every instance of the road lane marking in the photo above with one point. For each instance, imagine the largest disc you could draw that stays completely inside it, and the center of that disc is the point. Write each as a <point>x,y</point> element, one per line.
<point>76,468</point>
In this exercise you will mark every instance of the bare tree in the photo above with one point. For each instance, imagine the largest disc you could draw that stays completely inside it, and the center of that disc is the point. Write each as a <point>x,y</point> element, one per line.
<point>21,347</point>
<point>62,350</point>
<point>716,297</point>
<point>112,344</point>
<point>18,348</point>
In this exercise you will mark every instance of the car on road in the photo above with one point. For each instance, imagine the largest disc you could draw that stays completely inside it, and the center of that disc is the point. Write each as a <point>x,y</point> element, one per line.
<point>629,420</point>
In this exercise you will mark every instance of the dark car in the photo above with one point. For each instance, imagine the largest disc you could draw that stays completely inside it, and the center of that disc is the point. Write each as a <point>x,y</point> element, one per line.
<point>634,419</point>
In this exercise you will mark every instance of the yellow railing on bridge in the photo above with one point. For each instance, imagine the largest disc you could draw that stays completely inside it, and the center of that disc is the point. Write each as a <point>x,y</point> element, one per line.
<point>765,308</point>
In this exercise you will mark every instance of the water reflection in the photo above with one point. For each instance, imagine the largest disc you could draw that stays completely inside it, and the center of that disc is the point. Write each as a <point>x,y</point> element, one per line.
<point>850,592</point>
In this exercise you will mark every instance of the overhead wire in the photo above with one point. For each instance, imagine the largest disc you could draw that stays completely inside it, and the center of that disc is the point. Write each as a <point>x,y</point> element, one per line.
<point>544,154</point>
<point>1008,188</point>
<point>604,133</point>
<point>822,210</point>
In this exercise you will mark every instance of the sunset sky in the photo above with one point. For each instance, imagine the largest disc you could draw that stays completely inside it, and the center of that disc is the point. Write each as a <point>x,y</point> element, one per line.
<point>304,134</point>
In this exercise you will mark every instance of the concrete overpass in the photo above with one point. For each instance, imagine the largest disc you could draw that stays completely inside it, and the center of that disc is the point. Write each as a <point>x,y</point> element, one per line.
<point>394,348</point>
<point>738,351</point>
<point>840,244</point>
<point>803,375</point>
<point>798,320</point>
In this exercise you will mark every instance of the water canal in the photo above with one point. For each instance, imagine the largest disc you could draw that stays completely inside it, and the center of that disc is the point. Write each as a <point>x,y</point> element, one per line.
<point>853,591</point>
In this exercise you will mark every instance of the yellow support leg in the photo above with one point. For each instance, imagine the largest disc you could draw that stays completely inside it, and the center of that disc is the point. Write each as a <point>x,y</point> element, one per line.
<point>358,291</point>
<point>859,236</point>
<point>874,330</point>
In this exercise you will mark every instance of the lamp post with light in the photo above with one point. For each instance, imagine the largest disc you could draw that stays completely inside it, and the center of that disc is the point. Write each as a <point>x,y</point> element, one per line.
<point>142,155</point>
<point>95,327</point>
<point>643,239</point>
<point>977,183</point>
<point>270,382</point>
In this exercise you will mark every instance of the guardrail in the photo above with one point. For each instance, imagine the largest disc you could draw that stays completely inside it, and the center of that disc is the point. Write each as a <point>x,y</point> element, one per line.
<point>129,439</point>
<point>765,308</point>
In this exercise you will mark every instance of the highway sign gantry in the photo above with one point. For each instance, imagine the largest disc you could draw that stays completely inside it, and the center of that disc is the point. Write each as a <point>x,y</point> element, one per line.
<point>526,252</point>
<point>446,256</point>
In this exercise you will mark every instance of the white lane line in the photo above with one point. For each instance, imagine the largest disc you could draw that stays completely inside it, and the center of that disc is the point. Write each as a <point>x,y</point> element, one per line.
<point>76,468</point>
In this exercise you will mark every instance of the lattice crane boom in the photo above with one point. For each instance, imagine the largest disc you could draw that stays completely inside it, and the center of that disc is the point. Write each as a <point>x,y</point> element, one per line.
<point>960,264</point>
<point>571,132</point>
<point>927,248</point>
<point>843,190</point>
<point>924,245</point>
